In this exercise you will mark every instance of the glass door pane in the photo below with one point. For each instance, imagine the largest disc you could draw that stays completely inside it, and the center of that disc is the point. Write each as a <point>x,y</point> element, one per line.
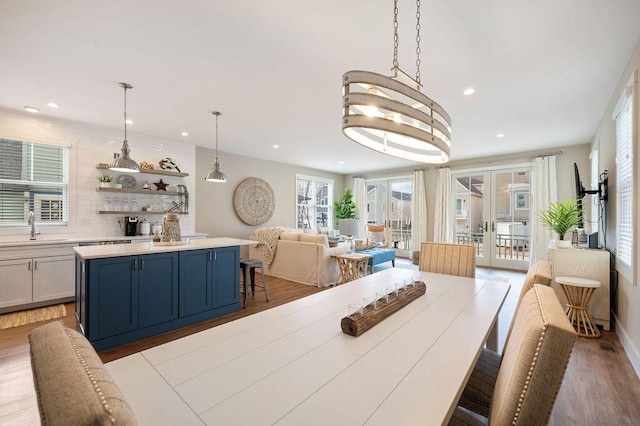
<point>471,213</point>
<point>389,203</point>
<point>511,219</point>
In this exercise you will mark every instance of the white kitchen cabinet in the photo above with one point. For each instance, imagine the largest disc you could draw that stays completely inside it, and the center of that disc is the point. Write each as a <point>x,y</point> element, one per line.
<point>15,282</point>
<point>37,279</point>
<point>593,264</point>
<point>53,278</point>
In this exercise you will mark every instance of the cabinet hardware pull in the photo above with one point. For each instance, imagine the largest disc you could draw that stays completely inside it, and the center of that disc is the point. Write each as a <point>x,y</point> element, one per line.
<point>210,256</point>
<point>142,264</point>
<point>215,255</point>
<point>35,265</point>
<point>493,227</point>
<point>486,226</point>
<point>28,265</point>
<point>135,264</point>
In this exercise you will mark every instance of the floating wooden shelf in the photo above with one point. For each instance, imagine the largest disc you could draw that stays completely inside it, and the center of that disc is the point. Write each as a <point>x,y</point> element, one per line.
<point>356,324</point>
<point>137,191</point>
<point>130,212</point>
<point>105,166</point>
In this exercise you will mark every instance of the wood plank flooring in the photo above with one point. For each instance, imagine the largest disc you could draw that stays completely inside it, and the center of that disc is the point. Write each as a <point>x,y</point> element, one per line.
<point>600,386</point>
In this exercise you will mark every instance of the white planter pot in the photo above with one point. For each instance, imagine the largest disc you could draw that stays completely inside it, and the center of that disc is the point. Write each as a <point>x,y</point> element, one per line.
<point>563,244</point>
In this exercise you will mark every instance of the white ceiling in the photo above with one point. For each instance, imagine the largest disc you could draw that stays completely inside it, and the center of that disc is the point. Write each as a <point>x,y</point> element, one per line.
<point>543,70</point>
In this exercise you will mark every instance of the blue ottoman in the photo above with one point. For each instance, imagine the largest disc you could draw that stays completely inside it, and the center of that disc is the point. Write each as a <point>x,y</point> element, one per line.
<point>380,255</point>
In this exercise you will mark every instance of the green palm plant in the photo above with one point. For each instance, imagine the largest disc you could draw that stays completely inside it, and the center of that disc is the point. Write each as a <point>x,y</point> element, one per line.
<point>561,217</point>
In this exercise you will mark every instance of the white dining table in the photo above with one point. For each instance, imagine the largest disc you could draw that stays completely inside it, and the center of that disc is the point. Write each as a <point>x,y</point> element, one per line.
<point>293,365</point>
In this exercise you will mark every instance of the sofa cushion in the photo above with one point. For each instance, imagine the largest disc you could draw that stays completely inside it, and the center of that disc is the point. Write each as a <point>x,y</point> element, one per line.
<point>290,236</point>
<point>310,231</point>
<point>317,239</point>
<point>72,385</point>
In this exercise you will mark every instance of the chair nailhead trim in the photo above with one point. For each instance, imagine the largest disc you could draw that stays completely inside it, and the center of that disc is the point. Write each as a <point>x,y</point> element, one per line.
<point>533,363</point>
<point>94,382</point>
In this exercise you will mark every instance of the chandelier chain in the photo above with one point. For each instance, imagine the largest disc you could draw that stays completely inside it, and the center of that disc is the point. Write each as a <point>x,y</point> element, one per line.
<point>395,34</point>
<point>418,41</point>
<point>125,112</point>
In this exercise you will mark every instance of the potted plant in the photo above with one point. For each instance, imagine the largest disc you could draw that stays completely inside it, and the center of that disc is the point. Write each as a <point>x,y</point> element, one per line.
<point>560,218</point>
<point>105,181</point>
<point>348,224</point>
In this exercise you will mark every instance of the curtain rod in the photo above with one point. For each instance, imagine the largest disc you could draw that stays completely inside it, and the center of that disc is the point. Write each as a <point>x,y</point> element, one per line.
<point>549,154</point>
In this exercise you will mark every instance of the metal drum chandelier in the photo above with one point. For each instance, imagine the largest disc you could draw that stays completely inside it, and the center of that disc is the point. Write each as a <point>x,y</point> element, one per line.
<point>391,117</point>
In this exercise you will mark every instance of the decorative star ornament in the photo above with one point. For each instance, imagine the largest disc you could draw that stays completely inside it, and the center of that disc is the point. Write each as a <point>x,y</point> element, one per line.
<point>161,185</point>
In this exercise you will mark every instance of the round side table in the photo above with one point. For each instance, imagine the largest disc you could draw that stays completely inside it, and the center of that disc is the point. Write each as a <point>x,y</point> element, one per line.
<point>578,292</point>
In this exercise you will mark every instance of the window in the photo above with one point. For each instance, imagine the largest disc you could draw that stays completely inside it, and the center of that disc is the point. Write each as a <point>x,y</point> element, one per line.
<point>623,115</point>
<point>314,202</point>
<point>33,177</point>
<point>595,179</point>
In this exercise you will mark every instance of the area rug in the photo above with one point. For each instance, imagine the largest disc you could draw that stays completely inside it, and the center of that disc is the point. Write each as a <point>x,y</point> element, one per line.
<point>16,319</point>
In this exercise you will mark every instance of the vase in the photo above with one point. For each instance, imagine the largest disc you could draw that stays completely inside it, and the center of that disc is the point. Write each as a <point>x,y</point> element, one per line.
<point>563,244</point>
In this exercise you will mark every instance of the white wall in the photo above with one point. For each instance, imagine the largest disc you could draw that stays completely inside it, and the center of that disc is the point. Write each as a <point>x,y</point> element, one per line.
<point>91,145</point>
<point>214,210</point>
<point>626,304</point>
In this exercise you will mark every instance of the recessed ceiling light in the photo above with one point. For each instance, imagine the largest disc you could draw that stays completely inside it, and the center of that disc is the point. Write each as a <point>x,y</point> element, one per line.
<point>184,134</point>
<point>341,162</point>
<point>500,135</point>
<point>469,91</point>
<point>52,105</point>
<point>276,146</point>
<point>128,121</point>
<point>31,109</point>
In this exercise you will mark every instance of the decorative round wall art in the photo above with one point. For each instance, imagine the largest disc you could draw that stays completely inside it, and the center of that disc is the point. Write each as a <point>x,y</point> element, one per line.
<point>253,201</point>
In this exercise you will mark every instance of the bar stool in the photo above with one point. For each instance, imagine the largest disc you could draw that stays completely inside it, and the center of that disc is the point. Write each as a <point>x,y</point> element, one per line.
<point>248,267</point>
<point>578,292</point>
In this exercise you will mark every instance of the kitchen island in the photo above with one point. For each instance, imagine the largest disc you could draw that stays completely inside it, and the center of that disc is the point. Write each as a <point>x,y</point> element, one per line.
<point>127,292</point>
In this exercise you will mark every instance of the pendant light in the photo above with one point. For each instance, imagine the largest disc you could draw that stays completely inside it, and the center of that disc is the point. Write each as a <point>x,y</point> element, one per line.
<point>216,174</point>
<point>391,117</point>
<point>122,162</point>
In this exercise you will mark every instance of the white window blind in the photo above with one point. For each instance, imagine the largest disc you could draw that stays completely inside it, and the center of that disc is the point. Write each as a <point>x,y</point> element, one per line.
<point>623,116</point>
<point>314,206</point>
<point>33,177</point>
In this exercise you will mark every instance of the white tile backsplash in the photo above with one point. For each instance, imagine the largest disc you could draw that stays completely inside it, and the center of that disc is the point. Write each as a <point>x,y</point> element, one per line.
<point>91,145</point>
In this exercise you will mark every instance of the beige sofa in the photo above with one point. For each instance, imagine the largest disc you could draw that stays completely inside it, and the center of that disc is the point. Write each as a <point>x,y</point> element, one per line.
<point>303,258</point>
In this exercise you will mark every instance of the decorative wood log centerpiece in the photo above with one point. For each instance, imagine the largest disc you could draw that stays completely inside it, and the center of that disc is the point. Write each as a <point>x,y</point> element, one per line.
<point>357,323</point>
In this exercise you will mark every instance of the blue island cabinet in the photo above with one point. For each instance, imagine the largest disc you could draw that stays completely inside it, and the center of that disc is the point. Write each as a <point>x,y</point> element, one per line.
<point>205,278</point>
<point>126,298</point>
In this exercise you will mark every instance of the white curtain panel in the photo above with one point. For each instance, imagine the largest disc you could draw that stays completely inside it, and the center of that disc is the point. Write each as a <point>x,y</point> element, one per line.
<point>544,190</point>
<point>418,211</point>
<point>443,223</point>
<point>359,191</point>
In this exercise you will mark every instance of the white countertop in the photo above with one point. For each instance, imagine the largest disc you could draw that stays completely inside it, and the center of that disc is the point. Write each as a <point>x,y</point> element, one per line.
<point>49,240</point>
<point>117,250</point>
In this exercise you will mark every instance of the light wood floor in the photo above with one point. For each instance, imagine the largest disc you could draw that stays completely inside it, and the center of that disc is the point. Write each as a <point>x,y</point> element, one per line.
<point>600,386</point>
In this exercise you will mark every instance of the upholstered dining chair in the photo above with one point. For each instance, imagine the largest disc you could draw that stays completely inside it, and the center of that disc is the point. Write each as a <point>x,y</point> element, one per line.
<point>477,393</point>
<point>450,259</point>
<point>532,367</point>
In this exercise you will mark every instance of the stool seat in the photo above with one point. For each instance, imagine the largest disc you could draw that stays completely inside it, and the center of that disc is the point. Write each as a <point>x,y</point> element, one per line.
<point>248,267</point>
<point>578,282</point>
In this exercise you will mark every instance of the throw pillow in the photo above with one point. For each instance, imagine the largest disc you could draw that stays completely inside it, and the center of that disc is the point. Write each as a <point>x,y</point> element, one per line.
<point>290,236</point>
<point>317,239</point>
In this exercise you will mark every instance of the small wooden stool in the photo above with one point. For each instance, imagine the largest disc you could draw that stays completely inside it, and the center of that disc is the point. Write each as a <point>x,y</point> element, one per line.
<point>248,267</point>
<point>578,292</point>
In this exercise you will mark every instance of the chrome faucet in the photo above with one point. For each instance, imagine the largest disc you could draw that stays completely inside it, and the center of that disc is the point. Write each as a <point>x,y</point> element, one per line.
<point>31,221</point>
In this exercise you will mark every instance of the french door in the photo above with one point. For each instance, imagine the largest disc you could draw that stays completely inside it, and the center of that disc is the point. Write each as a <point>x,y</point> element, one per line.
<point>492,213</point>
<point>389,202</point>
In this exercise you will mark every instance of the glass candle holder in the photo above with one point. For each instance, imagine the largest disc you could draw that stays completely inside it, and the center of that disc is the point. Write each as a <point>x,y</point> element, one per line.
<point>369,303</point>
<point>355,310</point>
